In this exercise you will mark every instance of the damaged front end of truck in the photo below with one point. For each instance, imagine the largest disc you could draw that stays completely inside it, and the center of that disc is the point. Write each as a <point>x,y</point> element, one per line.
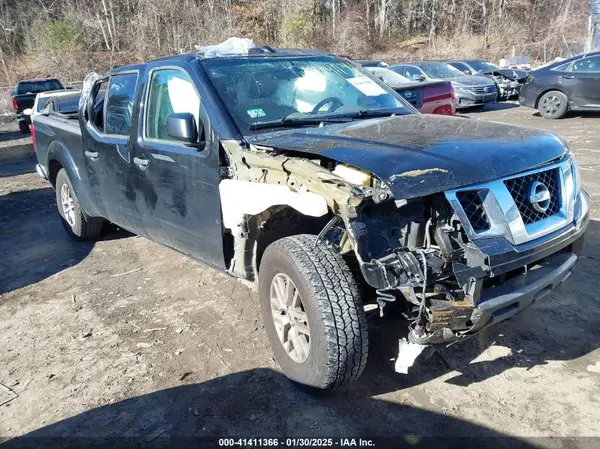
<point>453,257</point>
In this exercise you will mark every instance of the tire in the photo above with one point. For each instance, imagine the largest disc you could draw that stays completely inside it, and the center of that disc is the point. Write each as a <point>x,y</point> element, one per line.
<point>75,222</point>
<point>553,105</point>
<point>24,128</point>
<point>330,307</point>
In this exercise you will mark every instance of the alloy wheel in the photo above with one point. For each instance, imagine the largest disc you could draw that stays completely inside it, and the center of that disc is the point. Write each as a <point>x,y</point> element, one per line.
<point>289,317</point>
<point>68,204</point>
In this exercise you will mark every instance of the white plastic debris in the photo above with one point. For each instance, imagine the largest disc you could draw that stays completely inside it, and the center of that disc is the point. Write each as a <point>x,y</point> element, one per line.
<point>232,46</point>
<point>407,354</point>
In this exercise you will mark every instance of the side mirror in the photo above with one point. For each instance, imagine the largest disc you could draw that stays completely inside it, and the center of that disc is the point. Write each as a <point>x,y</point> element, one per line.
<point>467,72</point>
<point>27,111</point>
<point>418,77</point>
<point>182,127</point>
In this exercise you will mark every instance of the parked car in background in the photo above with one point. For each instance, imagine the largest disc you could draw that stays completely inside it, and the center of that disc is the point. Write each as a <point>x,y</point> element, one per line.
<point>508,81</point>
<point>24,95</point>
<point>569,85</point>
<point>472,91</point>
<point>429,97</point>
<point>298,172</point>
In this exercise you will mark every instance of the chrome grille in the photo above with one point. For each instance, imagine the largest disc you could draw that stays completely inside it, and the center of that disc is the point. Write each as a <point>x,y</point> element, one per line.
<point>504,207</point>
<point>472,203</point>
<point>483,89</point>
<point>520,188</point>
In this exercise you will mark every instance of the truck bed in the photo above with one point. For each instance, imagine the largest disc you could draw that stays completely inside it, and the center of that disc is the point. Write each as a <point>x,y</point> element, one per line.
<point>57,127</point>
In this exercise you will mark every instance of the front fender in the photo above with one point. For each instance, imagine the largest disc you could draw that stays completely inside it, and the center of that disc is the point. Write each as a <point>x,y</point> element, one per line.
<point>77,173</point>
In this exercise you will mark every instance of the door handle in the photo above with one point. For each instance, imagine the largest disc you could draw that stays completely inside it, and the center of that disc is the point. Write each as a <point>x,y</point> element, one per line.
<point>91,154</point>
<point>568,77</point>
<point>140,162</point>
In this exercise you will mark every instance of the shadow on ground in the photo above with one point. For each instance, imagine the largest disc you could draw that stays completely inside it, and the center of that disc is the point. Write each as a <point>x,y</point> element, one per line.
<point>257,403</point>
<point>575,114</point>
<point>33,242</point>
<point>500,106</point>
<point>565,326</point>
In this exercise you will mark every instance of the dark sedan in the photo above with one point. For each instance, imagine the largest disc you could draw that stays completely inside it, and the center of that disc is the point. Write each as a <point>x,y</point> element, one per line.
<point>471,91</point>
<point>509,81</point>
<point>569,85</point>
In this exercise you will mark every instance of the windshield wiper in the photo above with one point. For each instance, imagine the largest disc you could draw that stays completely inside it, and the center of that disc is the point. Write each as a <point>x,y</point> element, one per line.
<point>366,113</point>
<point>298,121</point>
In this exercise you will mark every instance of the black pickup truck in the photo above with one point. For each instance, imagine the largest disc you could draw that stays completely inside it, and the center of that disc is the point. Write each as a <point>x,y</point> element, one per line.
<point>24,95</point>
<point>310,178</point>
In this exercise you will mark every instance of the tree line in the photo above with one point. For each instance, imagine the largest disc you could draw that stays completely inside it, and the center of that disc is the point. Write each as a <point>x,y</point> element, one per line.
<point>66,38</point>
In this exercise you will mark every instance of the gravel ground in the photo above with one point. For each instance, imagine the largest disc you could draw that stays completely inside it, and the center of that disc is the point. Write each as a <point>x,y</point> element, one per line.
<point>126,338</point>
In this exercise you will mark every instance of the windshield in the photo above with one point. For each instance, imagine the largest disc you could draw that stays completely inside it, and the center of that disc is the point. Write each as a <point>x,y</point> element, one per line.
<point>440,70</point>
<point>302,89</point>
<point>388,76</point>
<point>32,87</point>
<point>483,66</point>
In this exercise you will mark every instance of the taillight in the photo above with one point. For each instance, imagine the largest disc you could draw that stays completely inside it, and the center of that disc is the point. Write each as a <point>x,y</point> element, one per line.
<point>32,129</point>
<point>15,104</point>
<point>444,110</point>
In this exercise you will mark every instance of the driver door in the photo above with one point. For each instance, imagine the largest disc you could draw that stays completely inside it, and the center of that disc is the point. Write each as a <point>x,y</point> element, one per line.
<point>177,184</point>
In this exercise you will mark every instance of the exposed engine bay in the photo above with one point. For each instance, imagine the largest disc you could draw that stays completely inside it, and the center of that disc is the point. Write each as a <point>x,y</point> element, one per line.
<point>507,88</point>
<point>417,251</point>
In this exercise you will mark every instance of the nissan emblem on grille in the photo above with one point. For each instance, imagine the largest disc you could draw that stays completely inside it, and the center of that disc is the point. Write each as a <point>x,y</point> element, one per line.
<point>539,196</point>
<point>408,94</point>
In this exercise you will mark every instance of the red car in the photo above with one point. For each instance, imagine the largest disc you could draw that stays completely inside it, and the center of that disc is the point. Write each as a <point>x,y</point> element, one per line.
<point>429,97</point>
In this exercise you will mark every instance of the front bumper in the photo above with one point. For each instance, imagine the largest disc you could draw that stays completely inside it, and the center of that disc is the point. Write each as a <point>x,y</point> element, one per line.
<point>528,272</point>
<point>528,95</point>
<point>515,295</point>
<point>466,99</point>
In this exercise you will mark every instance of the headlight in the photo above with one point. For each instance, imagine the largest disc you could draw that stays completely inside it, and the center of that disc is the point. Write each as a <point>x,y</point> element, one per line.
<point>353,175</point>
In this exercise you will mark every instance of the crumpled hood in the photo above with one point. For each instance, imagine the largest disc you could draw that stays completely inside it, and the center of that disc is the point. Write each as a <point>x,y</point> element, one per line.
<point>417,155</point>
<point>512,74</point>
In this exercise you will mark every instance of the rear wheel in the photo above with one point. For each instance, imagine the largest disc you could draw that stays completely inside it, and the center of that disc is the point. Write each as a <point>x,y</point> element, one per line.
<point>313,313</point>
<point>553,105</point>
<point>24,128</point>
<point>75,222</point>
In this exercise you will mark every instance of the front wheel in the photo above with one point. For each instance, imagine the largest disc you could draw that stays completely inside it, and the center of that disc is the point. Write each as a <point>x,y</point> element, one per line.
<point>76,223</point>
<point>553,105</point>
<point>313,313</point>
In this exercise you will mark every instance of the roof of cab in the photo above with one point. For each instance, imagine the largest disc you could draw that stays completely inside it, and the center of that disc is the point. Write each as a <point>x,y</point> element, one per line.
<point>257,52</point>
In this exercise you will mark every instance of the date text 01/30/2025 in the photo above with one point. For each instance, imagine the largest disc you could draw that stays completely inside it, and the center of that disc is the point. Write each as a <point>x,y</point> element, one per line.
<point>296,442</point>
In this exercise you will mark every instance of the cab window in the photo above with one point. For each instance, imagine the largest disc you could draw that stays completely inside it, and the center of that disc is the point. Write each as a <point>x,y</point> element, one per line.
<point>119,104</point>
<point>170,92</point>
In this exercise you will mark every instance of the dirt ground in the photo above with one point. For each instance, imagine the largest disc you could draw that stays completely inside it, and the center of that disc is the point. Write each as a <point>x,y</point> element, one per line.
<point>126,338</point>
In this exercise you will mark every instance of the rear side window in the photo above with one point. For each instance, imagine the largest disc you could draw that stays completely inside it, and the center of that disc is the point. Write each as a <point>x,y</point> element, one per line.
<point>587,65</point>
<point>171,92</point>
<point>96,117</point>
<point>119,104</point>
